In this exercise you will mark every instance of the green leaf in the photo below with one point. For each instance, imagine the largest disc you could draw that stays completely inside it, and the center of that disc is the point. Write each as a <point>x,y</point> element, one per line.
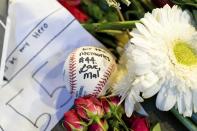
<point>185,2</point>
<point>185,121</point>
<point>92,9</point>
<point>116,129</point>
<point>157,127</point>
<point>112,16</point>
<point>137,7</point>
<point>102,4</point>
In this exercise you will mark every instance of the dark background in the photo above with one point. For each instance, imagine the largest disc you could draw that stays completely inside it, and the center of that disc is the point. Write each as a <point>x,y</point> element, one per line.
<point>167,120</point>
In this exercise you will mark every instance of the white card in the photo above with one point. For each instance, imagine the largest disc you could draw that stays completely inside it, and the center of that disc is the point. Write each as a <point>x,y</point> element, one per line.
<point>40,35</point>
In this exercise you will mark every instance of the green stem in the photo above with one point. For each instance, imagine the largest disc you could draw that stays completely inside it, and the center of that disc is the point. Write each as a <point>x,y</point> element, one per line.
<point>120,14</point>
<point>185,121</point>
<point>99,122</point>
<point>111,32</point>
<point>194,118</point>
<point>138,7</point>
<point>124,25</point>
<point>122,19</point>
<point>122,122</point>
<point>148,4</point>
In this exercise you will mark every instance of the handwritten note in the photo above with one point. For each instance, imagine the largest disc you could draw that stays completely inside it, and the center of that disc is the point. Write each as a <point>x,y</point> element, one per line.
<point>42,34</point>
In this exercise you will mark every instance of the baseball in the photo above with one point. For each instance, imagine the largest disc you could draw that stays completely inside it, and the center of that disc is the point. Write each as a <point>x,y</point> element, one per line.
<point>87,71</point>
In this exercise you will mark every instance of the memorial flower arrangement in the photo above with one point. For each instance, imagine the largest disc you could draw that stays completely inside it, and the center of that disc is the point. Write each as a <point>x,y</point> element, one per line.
<point>155,43</point>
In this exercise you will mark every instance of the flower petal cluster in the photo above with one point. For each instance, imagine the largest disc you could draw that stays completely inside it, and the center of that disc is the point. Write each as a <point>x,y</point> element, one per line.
<point>161,58</point>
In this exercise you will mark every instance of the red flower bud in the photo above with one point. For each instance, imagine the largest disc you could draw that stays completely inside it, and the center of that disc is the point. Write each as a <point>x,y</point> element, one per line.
<point>72,121</point>
<point>113,101</point>
<point>162,3</point>
<point>88,107</point>
<point>102,126</point>
<point>139,123</point>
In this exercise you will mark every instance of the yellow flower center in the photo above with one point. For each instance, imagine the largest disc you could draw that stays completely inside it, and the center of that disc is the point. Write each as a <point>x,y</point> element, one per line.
<point>185,54</point>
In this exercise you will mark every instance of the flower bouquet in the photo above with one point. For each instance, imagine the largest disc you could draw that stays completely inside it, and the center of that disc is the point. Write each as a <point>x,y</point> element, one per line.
<point>156,53</point>
<point>101,114</point>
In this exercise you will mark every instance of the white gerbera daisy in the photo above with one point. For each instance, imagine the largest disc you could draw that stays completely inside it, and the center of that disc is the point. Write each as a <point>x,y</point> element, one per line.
<point>162,58</point>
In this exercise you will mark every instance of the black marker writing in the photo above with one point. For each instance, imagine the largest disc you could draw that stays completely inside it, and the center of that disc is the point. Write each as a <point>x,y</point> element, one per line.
<point>22,49</point>
<point>12,61</point>
<point>35,124</point>
<point>87,48</point>
<point>88,74</point>
<point>87,60</point>
<point>85,68</point>
<point>95,54</point>
<point>100,50</point>
<point>89,69</point>
<point>40,30</point>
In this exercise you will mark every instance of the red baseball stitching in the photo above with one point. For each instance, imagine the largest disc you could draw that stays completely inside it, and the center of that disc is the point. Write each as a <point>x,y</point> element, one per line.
<point>103,80</point>
<point>72,72</point>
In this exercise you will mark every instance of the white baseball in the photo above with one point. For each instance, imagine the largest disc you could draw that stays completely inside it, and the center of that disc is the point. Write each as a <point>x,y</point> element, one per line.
<point>87,71</point>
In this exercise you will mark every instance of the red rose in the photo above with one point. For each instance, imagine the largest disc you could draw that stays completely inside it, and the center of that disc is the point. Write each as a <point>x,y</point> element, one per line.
<point>89,107</point>
<point>114,100</point>
<point>110,104</point>
<point>103,126</point>
<point>162,3</point>
<point>72,121</point>
<point>73,7</point>
<point>139,123</point>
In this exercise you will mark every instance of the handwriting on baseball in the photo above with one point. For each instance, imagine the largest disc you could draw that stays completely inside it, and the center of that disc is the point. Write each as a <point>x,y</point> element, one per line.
<point>94,52</point>
<point>90,69</point>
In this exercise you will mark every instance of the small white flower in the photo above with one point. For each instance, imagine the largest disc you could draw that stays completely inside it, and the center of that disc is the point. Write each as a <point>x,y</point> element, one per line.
<point>116,4</point>
<point>127,2</point>
<point>162,58</point>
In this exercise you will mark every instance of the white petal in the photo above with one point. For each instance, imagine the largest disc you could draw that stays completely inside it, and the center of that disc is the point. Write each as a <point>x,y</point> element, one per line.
<point>166,98</point>
<point>139,109</point>
<point>188,103</point>
<point>180,103</point>
<point>185,17</point>
<point>141,62</point>
<point>160,98</point>
<point>141,43</point>
<point>143,30</point>
<point>151,91</point>
<point>129,105</point>
<point>194,99</point>
<point>136,96</point>
<point>150,79</point>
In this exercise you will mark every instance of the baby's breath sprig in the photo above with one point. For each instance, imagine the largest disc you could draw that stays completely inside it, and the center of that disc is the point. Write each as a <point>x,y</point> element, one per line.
<point>116,4</point>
